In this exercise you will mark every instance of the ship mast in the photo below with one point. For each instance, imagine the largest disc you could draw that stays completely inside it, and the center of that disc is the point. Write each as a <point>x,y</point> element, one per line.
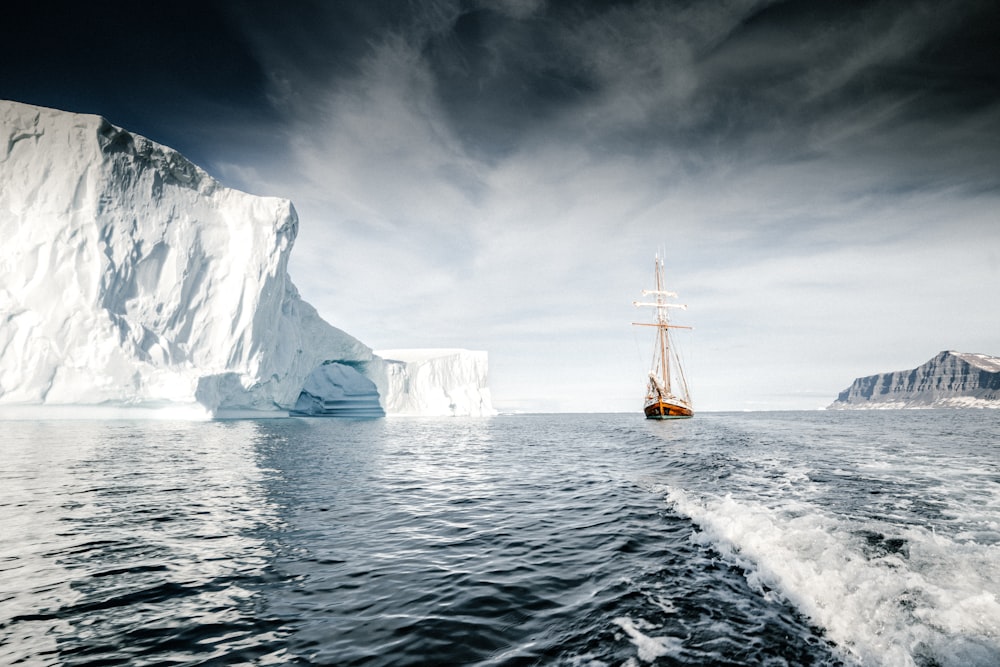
<point>661,330</point>
<point>662,323</point>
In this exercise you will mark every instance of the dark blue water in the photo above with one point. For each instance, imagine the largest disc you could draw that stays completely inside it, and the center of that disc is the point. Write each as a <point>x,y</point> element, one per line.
<point>729,539</point>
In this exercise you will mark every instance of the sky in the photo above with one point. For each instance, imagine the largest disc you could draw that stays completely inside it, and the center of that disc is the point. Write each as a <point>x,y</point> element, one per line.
<point>821,178</point>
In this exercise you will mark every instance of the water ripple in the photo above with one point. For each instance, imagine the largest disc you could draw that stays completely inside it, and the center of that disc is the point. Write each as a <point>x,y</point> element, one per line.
<point>552,540</point>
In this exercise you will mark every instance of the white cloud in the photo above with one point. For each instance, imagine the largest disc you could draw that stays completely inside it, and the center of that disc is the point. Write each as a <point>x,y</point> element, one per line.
<point>801,273</point>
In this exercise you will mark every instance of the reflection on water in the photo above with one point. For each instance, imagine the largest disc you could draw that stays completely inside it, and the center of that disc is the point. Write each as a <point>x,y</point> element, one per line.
<point>524,541</point>
<point>129,539</point>
<point>555,539</point>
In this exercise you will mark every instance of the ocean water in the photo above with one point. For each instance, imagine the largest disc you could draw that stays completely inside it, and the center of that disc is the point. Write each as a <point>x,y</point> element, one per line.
<point>799,538</point>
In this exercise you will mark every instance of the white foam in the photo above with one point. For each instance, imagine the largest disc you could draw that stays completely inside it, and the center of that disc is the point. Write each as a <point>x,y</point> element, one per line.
<point>649,648</point>
<point>932,596</point>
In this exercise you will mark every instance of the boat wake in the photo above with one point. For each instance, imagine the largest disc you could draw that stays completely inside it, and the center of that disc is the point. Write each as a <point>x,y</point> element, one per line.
<point>886,595</point>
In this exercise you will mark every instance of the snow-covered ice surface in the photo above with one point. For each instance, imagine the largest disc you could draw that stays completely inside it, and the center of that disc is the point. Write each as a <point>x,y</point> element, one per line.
<point>130,278</point>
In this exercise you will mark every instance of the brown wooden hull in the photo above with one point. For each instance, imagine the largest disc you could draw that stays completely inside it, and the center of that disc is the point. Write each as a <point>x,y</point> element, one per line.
<point>664,410</point>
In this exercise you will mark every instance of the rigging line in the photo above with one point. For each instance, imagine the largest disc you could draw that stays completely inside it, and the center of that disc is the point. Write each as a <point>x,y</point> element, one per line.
<point>679,351</point>
<point>682,376</point>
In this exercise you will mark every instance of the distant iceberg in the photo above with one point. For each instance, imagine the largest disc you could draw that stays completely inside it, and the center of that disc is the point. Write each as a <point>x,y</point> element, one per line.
<point>131,279</point>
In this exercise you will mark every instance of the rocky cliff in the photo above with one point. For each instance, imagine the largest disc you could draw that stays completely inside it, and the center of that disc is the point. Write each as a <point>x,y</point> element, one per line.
<point>949,380</point>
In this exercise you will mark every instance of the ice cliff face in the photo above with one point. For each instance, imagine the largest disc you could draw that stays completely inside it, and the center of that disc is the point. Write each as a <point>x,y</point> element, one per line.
<point>419,382</point>
<point>130,277</point>
<point>949,380</point>
<point>441,382</point>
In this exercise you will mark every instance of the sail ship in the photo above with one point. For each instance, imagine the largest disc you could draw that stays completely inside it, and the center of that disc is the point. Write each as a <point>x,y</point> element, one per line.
<point>667,395</point>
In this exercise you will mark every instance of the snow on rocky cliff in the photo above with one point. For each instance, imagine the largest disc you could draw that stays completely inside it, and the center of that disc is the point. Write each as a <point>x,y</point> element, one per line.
<point>949,380</point>
<point>130,277</point>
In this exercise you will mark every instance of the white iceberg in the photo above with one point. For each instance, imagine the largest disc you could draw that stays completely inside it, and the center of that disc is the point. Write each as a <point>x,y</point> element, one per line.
<point>130,278</point>
<point>439,382</point>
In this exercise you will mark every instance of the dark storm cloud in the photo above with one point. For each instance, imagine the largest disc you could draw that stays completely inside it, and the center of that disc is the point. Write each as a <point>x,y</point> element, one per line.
<point>838,76</point>
<point>167,70</point>
<point>732,78</point>
<point>906,83</point>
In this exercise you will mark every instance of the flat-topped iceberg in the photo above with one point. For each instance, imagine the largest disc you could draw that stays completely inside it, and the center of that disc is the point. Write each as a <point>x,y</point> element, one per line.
<point>442,382</point>
<point>130,278</point>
